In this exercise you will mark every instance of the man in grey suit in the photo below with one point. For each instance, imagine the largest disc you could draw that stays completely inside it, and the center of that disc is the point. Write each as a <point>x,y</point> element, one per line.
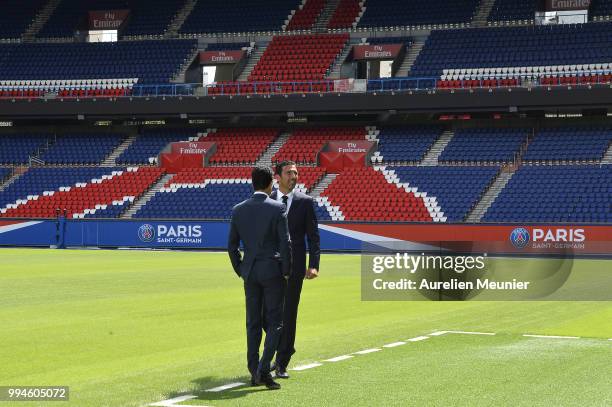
<point>261,224</point>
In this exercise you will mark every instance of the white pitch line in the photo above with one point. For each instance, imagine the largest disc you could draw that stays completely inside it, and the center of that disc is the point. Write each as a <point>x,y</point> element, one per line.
<point>394,344</point>
<point>226,387</point>
<point>471,333</point>
<point>309,366</point>
<point>366,351</point>
<point>551,336</point>
<point>418,338</point>
<point>172,402</point>
<point>339,358</point>
<point>438,333</point>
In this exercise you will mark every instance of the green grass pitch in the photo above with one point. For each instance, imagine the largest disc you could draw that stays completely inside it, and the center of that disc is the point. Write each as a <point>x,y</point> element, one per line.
<point>129,328</point>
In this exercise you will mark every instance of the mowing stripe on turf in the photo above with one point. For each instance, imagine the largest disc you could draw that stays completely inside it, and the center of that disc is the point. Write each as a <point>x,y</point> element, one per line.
<point>551,336</point>
<point>394,344</point>
<point>309,366</point>
<point>226,387</point>
<point>339,358</point>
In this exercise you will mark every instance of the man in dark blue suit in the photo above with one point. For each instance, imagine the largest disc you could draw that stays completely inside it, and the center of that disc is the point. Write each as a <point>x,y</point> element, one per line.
<point>303,227</point>
<point>261,224</point>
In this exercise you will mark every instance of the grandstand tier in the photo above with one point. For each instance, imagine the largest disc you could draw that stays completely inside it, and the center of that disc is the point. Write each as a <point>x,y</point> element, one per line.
<point>76,199</point>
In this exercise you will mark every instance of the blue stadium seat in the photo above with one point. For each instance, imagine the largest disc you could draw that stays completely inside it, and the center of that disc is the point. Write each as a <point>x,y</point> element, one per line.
<point>569,143</point>
<point>17,148</point>
<point>512,10</point>
<point>216,16</point>
<point>483,144</point>
<point>147,17</point>
<point>457,189</point>
<point>390,13</point>
<point>78,148</point>
<point>5,173</point>
<point>555,194</point>
<point>215,201</point>
<point>150,61</point>
<point>17,15</point>
<point>407,143</point>
<point>227,46</point>
<point>550,45</point>
<point>600,8</point>
<point>151,143</point>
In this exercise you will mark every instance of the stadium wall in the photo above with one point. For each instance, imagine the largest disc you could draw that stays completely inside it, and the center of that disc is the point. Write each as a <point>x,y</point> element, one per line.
<point>494,239</point>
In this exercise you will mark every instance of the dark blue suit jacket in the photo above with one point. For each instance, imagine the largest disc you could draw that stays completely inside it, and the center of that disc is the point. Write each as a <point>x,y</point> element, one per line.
<point>303,226</point>
<point>261,224</point>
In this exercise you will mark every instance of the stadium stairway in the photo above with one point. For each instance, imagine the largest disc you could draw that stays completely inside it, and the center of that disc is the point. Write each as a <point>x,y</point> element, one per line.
<point>40,20</point>
<point>179,77</point>
<point>266,157</point>
<point>431,158</point>
<point>85,198</point>
<point>336,68</point>
<point>179,19</point>
<point>323,184</point>
<point>477,213</point>
<point>146,197</point>
<point>328,11</point>
<point>607,159</point>
<point>482,13</point>
<point>411,56</point>
<point>260,48</point>
<point>18,172</point>
<point>110,161</point>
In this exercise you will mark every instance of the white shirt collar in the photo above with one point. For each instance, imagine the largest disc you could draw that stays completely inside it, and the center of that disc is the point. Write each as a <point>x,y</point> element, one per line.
<point>260,192</point>
<point>279,194</point>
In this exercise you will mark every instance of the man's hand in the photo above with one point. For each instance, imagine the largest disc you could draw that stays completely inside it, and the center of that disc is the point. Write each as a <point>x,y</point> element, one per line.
<point>312,273</point>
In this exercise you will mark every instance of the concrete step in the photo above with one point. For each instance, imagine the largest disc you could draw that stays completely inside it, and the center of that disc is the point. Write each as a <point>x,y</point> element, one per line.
<point>110,160</point>
<point>431,158</point>
<point>336,69</point>
<point>146,197</point>
<point>40,20</point>
<point>178,20</point>
<point>326,14</point>
<point>411,56</point>
<point>266,157</point>
<point>16,175</point>
<point>490,195</point>
<point>179,77</point>
<point>482,13</point>
<point>321,185</point>
<point>260,48</point>
<point>607,159</point>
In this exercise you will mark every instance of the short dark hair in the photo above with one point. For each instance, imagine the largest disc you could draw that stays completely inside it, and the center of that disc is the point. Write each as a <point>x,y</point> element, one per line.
<point>262,177</point>
<point>278,170</point>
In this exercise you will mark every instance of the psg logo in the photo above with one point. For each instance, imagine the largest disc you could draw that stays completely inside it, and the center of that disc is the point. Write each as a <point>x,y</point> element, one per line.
<point>520,238</point>
<point>146,233</point>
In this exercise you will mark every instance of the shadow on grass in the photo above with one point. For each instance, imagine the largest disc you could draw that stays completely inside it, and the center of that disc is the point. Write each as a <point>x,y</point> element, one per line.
<point>208,382</point>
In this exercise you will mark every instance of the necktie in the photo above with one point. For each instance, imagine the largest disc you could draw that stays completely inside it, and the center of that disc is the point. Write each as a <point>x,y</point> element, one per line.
<point>285,198</point>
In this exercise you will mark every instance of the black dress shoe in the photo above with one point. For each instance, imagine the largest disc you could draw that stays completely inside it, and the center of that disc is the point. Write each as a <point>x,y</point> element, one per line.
<point>268,382</point>
<point>254,381</point>
<point>280,372</point>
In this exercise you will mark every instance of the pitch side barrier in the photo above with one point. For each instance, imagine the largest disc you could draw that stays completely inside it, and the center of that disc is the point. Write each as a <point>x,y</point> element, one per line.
<point>493,239</point>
